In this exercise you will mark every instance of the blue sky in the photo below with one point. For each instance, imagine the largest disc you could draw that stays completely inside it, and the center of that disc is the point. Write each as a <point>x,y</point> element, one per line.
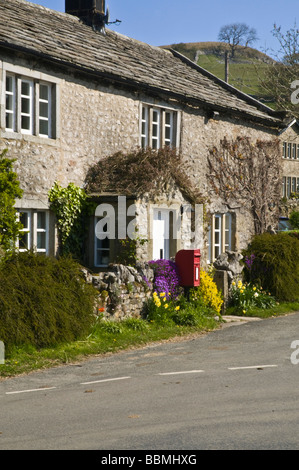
<point>163,22</point>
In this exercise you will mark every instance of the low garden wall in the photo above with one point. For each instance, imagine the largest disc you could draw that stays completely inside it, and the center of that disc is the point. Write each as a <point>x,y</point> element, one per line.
<point>123,290</point>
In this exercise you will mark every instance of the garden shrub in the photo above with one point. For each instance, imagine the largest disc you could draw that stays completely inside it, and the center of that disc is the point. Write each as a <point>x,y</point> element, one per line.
<point>166,278</point>
<point>160,308</point>
<point>294,219</point>
<point>208,292</point>
<point>244,297</point>
<point>43,301</point>
<point>272,262</point>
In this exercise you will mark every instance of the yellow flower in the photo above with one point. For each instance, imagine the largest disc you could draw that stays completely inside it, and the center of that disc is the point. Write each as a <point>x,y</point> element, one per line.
<point>233,283</point>
<point>241,291</point>
<point>162,294</point>
<point>254,288</point>
<point>166,305</point>
<point>177,308</point>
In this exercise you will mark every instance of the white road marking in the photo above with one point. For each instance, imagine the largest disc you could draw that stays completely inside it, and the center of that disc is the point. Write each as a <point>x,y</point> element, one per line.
<point>181,372</point>
<point>252,367</point>
<point>31,390</point>
<point>104,380</point>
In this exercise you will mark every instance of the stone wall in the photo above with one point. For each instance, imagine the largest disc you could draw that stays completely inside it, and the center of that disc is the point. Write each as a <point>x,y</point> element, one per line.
<point>228,268</point>
<point>123,290</point>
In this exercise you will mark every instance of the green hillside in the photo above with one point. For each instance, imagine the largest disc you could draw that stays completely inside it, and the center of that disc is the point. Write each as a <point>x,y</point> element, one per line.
<point>246,69</point>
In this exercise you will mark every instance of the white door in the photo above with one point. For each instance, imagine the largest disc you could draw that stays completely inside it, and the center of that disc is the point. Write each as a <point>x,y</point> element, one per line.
<point>161,234</point>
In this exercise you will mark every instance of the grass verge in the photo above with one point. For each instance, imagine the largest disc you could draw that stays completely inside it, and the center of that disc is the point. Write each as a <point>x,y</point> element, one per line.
<point>110,337</point>
<point>279,309</point>
<point>105,338</point>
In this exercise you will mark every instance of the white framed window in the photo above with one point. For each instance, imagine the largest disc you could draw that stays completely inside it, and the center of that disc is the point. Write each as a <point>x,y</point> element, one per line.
<point>10,103</point>
<point>290,185</point>
<point>44,101</point>
<point>29,106</point>
<point>40,233</point>
<point>220,235</point>
<point>102,243</point>
<point>290,151</point>
<point>35,231</point>
<point>24,242</point>
<point>159,127</point>
<point>26,106</point>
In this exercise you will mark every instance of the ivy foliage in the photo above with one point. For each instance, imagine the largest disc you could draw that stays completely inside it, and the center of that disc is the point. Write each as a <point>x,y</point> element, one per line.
<point>9,191</point>
<point>72,207</point>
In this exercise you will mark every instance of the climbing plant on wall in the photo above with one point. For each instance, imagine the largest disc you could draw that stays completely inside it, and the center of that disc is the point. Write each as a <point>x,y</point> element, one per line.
<point>9,191</point>
<point>72,207</point>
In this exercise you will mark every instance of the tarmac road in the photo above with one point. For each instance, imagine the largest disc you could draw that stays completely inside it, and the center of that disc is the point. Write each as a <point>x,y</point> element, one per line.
<point>236,388</point>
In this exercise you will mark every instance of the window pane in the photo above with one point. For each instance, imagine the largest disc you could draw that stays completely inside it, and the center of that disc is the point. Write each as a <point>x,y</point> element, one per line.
<point>9,84</point>
<point>25,88</point>
<point>24,219</point>
<point>43,127</point>
<point>41,220</point>
<point>41,240</point>
<point>9,102</point>
<point>43,109</point>
<point>102,258</point>
<point>25,122</point>
<point>25,106</point>
<point>9,123</point>
<point>44,92</point>
<point>24,241</point>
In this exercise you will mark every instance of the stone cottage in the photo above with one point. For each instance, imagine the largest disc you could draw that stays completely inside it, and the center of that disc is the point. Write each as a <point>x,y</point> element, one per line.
<point>73,93</point>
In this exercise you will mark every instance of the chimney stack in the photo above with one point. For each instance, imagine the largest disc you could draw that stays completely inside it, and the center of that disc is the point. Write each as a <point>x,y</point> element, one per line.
<point>91,12</point>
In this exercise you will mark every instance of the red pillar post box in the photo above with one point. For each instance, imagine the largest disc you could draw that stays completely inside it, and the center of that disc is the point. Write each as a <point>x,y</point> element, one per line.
<point>188,263</point>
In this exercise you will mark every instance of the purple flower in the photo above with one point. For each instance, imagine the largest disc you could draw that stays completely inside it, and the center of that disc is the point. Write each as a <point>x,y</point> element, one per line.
<point>166,277</point>
<point>249,261</point>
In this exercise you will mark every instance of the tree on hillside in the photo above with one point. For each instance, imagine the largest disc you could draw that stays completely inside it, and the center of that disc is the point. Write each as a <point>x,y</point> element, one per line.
<point>282,77</point>
<point>9,191</point>
<point>248,173</point>
<point>237,34</point>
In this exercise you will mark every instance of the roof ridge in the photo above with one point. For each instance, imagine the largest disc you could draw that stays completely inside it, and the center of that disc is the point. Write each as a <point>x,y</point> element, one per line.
<point>226,85</point>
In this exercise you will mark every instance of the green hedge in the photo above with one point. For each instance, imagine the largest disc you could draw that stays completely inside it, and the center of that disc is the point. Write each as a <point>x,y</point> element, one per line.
<point>43,301</point>
<point>273,262</point>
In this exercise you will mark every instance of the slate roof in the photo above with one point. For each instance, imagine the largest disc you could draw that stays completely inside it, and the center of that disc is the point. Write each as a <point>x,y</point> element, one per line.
<point>65,40</point>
